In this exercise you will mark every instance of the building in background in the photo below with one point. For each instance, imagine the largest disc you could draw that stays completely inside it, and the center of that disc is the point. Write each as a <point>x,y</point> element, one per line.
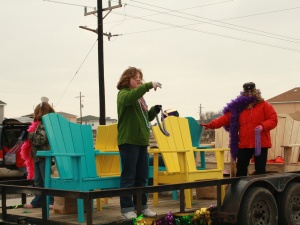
<point>2,104</point>
<point>287,103</point>
<point>94,122</point>
<point>68,116</point>
<point>91,120</point>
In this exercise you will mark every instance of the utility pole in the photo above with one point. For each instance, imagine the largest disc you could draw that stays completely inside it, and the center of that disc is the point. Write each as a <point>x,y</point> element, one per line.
<point>200,113</point>
<point>80,105</point>
<point>99,31</point>
<point>101,65</point>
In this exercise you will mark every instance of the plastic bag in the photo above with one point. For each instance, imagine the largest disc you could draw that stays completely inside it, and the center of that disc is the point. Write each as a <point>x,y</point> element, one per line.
<point>10,159</point>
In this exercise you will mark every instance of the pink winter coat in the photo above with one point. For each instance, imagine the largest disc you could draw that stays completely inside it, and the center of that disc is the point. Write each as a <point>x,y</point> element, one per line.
<point>262,113</point>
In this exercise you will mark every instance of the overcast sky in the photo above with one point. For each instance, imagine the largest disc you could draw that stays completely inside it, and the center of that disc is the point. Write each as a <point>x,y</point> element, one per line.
<point>202,51</point>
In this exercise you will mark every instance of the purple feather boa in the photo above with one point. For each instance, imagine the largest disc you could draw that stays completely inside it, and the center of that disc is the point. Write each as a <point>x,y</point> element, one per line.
<point>235,107</point>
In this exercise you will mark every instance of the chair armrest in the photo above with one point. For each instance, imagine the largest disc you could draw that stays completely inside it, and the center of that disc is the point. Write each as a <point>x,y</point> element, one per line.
<point>287,154</point>
<point>204,147</point>
<point>291,145</point>
<point>98,152</point>
<point>211,150</point>
<point>50,154</point>
<point>155,150</point>
<point>212,145</point>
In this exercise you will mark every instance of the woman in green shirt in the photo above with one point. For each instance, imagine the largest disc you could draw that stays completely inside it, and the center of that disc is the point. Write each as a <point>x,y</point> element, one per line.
<point>133,137</point>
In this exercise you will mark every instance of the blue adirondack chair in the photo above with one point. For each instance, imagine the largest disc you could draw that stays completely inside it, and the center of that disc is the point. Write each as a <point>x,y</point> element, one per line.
<point>72,147</point>
<point>196,132</point>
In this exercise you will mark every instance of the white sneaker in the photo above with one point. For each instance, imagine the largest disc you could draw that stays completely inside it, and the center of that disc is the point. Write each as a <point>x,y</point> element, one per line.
<point>148,213</point>
<point>128,215</point>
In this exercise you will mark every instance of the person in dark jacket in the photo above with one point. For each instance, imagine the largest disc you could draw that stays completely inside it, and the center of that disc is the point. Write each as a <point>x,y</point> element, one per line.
<point>133,137</point>
<point>249,119</point>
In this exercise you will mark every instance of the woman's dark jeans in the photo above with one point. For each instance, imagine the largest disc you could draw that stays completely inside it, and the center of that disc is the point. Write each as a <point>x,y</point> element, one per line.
<point>134,159</point>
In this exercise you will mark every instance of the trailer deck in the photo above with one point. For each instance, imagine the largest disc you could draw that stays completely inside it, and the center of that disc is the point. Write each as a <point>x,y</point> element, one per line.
<point>252,198</point>
<point>111,211</point>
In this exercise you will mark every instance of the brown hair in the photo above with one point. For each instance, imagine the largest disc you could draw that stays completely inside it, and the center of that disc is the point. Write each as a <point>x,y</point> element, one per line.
<point>258,96</point>
<point>256,93</point>
<point>42,109</point>
<point>124,81</point>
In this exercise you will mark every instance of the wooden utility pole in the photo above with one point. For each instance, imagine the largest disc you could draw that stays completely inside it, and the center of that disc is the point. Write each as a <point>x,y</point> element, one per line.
<point>100,33</point>
<point>101,65</point>
<point>80,105</point>
<point>200,113</point>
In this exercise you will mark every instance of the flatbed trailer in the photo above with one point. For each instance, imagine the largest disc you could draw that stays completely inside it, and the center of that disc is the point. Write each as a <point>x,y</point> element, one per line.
<point>268,199</point>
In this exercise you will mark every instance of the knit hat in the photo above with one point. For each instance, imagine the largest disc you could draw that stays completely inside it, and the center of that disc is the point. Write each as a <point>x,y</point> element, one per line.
<point>250,86</point>
<point>44,99</point>
<point>170,112</point>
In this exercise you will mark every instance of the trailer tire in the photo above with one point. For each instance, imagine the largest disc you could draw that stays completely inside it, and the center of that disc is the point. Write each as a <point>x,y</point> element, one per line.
<point>258,207</point>
<point>288,203</point>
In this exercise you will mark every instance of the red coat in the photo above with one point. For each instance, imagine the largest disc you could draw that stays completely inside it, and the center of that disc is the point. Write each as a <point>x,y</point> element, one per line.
<point>262,113</point>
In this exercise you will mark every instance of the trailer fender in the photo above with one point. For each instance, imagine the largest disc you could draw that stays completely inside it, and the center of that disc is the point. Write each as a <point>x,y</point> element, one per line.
<point>234,195</point>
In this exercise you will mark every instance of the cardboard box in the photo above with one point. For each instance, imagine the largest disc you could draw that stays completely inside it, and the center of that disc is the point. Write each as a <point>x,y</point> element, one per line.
<point>208,192</point>
<point>65,205</point>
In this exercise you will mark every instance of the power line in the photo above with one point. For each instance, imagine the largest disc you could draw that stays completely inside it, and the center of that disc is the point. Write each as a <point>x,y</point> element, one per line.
<point>194,7</point>
<point>65,3</point>
<point>170,10</point>
<point>264,13</point>
<point>211,20</point>
<point>215,34</point>
<point>76,72</point>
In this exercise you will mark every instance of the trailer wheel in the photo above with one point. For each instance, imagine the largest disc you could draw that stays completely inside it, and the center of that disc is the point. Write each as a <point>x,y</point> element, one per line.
<point>258,207</point>
<point>289,205</point>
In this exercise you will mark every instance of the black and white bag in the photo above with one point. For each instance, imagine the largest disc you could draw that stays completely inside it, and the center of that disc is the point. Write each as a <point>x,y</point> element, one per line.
<point>10,157</point>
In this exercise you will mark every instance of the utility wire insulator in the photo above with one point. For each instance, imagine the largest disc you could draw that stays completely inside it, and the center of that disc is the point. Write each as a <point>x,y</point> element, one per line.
<point>86,13</point>
<point>109,35</point>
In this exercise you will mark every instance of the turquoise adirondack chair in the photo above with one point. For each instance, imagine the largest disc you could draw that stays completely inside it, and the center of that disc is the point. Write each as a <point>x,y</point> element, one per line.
<point>196,132</point>
<point>72,147</point>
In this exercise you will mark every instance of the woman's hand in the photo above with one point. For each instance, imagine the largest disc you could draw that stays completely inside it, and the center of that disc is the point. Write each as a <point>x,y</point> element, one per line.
<point>259,127</point>
<point>157,108</point>
<point>155,85</point>
<point>207,126</point>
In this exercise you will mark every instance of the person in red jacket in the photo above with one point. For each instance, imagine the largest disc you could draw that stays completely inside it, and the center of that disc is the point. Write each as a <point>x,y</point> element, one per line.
<point>248,119</point>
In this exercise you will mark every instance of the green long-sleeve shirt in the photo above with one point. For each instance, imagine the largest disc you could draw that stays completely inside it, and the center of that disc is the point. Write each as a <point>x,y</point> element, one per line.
<point>132,121</point>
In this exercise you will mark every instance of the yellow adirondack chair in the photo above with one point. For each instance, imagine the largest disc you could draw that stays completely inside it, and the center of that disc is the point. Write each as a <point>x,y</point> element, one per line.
<point>108,163</point>
<point>106,141</point>
<point>178,155</point>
